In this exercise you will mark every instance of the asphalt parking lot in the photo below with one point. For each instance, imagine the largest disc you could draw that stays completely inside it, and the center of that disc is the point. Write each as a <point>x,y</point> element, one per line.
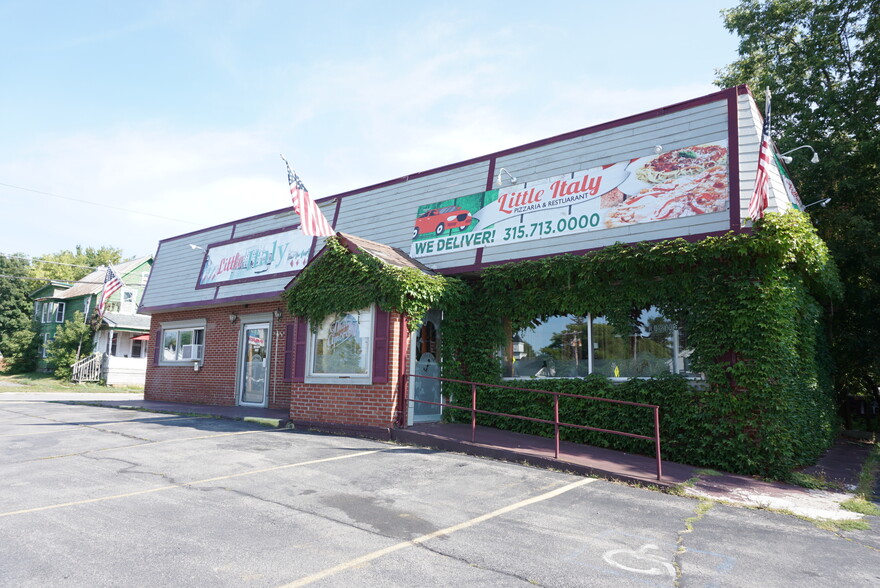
<point>93,496</point>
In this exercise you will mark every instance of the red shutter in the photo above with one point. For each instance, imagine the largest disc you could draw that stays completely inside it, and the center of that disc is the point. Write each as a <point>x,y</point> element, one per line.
<point>289,347</point>
<point>381,346</point>
<point>157,346</point>
<point>299,350</point>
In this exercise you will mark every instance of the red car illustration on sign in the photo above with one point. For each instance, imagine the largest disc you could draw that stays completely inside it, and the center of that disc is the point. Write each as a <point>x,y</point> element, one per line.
<point>438,220</point>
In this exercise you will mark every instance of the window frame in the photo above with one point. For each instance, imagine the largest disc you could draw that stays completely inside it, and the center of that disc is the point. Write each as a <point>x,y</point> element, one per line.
<point>127,306</point>
<point>140,348</point>
<point>192,326</point>
<point>47,337</point>
<point>311,377</point>
<point>60,308</point>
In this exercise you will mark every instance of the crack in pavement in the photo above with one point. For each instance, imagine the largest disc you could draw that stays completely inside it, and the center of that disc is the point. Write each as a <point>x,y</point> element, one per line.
<point>85,426</point>
<point>130,469</point>
<point>703,506</point>
<point>365,529</point>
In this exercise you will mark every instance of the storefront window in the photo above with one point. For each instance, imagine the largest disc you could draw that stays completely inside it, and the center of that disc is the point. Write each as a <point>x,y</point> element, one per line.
<point>556,348</point>
<point>183,344</point>
<point>343,345</point>
<point>574,346</point>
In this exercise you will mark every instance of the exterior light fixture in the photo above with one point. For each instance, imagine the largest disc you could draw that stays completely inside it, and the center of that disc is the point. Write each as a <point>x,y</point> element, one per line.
<point>233,317</point>
<point>512,179</point>
<point>194,247</point>
<point>277,314</point>
<point>658,148</point>
<point>814,159</point>
<point>823,203</point>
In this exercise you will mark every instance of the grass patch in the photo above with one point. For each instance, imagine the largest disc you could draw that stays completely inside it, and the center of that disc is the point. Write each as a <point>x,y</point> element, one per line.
<point>810,481</point>
<point>861,506</point>
<point>37,382</point>
<point>834,526</point>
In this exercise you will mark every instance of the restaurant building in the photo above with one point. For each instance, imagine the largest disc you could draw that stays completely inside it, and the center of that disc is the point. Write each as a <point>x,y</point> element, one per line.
<point>221,332</point>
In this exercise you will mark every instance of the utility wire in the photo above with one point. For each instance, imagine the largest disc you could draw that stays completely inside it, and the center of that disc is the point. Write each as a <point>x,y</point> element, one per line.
<point>32,260</point>
<point>47,279</point>
<point>177,220</point>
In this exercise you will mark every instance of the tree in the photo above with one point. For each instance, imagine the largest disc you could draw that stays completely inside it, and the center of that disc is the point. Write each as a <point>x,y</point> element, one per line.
<point>15,307</point>
<point>79,263</point>
<point>821,60</point>
<point>72,340</point>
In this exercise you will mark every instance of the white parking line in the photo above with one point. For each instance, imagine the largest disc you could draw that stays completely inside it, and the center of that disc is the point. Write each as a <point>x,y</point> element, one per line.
<point>358,561</point>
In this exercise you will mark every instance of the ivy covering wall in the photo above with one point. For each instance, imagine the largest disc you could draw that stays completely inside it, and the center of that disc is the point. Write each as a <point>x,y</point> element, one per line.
<point>752,305</point>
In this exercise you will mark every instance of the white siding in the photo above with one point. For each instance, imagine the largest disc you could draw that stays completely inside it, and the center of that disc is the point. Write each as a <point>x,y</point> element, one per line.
<point>750,123</point>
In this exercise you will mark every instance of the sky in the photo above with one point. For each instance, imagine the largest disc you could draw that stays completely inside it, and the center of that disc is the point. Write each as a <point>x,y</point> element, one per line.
<point>124,123</point>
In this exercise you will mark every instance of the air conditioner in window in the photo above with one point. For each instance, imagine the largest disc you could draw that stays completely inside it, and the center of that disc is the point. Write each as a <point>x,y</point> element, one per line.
<point>192,351</point>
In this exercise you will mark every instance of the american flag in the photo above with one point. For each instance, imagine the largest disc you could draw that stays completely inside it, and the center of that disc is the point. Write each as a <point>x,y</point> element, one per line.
<point>112,283</point>
<point>312,220</point>
<point>760,199</point>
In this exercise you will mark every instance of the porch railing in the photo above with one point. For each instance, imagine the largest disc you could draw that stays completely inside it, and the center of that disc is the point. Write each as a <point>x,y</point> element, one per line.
<point>555,422</point>
<point>88,369</point>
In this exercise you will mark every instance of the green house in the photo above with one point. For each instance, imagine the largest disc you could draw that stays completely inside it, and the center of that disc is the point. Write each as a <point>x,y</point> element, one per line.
<point>121,338</point>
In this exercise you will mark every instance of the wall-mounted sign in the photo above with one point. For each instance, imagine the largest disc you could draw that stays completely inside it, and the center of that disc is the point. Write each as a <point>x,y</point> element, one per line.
<point>259,257</point>
<point>678,183</point>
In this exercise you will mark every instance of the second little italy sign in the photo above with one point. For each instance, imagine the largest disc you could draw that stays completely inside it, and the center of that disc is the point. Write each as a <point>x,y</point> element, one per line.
<point>679,183</point>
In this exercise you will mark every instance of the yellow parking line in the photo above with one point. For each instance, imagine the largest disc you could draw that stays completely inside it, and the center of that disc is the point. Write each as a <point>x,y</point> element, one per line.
<point>88,426</point>
<point>133,445</point>
<point>205,481</point>
<point>358,561</point>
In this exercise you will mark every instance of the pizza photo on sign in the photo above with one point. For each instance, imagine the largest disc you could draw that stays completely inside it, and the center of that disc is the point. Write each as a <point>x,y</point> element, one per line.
<point>679,183</point>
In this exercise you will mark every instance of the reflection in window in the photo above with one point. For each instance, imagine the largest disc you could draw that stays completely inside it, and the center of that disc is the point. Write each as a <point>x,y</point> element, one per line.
<point>574,346</point>
<point>182,344</point>
<point>342,344</point>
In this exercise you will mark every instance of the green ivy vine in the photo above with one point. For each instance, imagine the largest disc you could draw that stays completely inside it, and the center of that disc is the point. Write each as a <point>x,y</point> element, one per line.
<point>751,303</point>
<point>340,281</point>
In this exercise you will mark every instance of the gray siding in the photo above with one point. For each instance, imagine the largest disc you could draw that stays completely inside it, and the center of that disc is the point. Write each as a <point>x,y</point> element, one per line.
<point>386,214</point>
<point>176,270</point>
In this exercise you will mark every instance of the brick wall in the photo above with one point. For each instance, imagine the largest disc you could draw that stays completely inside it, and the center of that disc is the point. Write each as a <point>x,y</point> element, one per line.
<point>339,406</point>
<point>352,406</point>
<point>215,382</point>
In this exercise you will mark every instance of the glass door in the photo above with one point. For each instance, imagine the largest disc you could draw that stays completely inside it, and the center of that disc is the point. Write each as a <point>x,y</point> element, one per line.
<point>426,362</point>
<point>254,364</point>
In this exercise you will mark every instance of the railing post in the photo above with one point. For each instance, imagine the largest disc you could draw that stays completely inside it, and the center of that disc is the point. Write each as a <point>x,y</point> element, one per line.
<point>473,412</point>
<point>556,421</point>
<point>657,440</point>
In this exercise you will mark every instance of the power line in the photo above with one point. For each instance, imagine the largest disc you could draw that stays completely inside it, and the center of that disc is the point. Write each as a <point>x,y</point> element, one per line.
<point>32,260</point>
<point>177,220</point>
<point>47,279</point>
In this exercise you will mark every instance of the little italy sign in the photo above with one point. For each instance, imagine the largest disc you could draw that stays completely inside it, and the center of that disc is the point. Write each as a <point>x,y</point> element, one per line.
<point>259,257</point>
<point>679,183</point>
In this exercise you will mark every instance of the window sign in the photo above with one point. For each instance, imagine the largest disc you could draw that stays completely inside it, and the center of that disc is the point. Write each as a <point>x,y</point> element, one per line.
<point>343,345</point>
<point>678,183</point>
<point>264,256</point>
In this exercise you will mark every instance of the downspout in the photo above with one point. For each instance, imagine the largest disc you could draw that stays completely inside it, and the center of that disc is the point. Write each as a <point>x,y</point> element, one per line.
<point>402,396</point>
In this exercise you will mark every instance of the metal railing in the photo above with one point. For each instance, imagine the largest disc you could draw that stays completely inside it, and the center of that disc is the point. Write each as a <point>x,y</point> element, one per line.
<point>88,369</point>
<point>555,422</point>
